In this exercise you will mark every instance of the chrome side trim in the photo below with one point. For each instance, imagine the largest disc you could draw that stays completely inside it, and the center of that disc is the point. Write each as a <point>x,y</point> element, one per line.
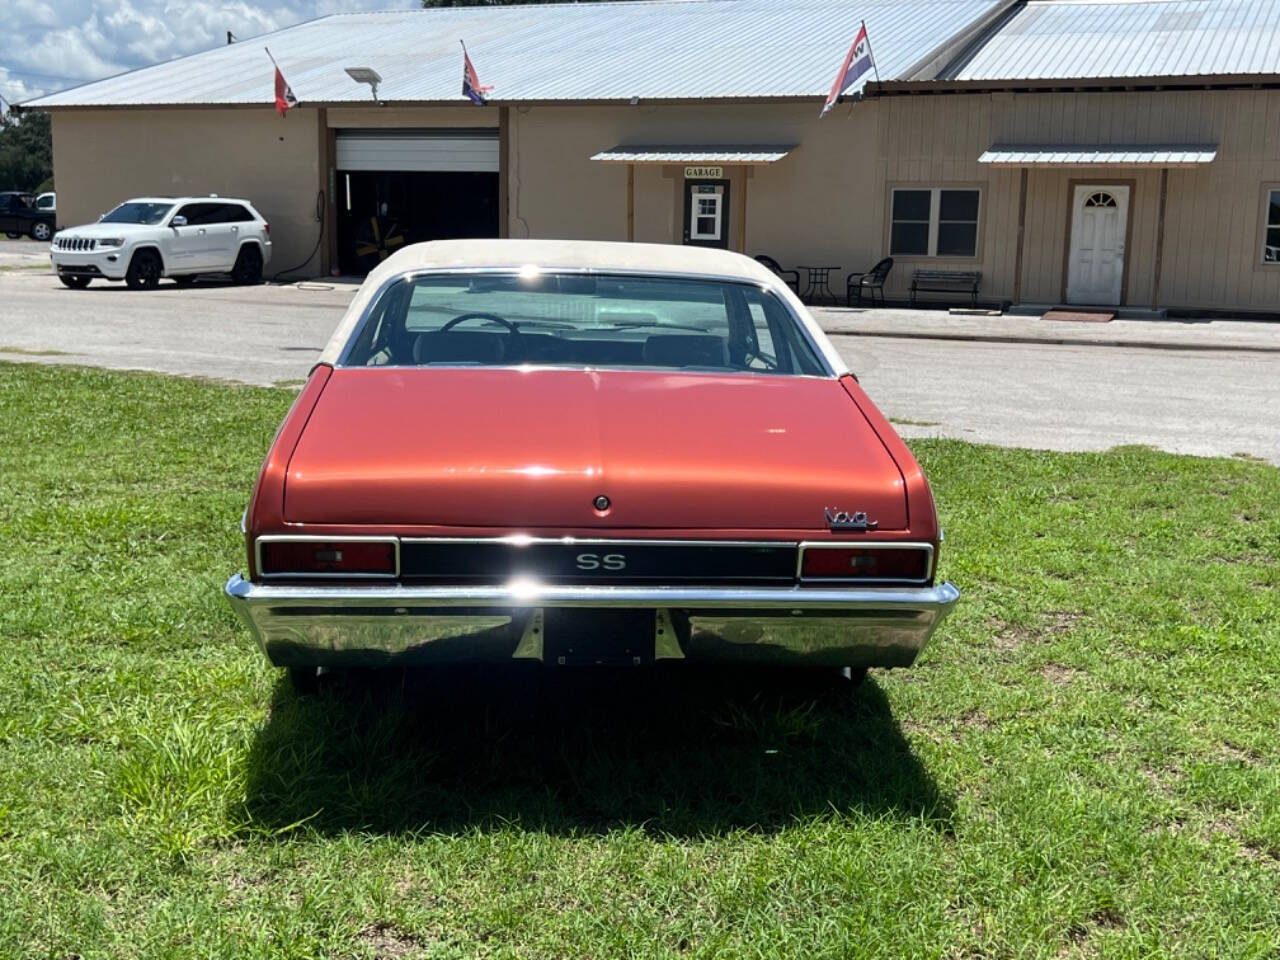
<point>310,538</point>
<point>869,545</point>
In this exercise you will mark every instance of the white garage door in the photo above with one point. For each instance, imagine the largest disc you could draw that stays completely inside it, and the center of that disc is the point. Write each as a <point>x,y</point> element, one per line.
<point>419,150</point>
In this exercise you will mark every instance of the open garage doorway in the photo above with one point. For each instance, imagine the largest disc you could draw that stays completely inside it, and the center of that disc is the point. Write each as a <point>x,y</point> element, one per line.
<point>395,188</point>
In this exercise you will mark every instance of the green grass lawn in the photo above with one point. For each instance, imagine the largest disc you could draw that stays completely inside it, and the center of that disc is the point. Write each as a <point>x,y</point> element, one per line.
<point>1084,763</point>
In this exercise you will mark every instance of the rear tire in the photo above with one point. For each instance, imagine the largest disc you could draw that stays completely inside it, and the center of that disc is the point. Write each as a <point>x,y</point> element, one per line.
<point>144,270</point>
<point>853,676</point>
<point>41,231</point>
<point>74,282</point>
<point>248,266</point>
<point>13,236</point>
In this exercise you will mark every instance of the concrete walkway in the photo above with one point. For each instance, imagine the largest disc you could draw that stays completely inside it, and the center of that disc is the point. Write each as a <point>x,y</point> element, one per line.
<point>1249,335</point>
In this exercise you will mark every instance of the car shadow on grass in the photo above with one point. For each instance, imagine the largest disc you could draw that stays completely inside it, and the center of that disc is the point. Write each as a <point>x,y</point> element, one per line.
<point>683,752</point>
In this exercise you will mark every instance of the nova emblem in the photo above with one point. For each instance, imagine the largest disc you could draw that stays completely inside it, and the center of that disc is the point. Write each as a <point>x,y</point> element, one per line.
<point>843,520</point>
<point>607,561</point>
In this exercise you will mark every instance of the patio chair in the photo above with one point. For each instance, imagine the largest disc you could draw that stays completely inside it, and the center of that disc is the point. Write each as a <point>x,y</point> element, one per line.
<point>873,281</point>
<point>792,277</point>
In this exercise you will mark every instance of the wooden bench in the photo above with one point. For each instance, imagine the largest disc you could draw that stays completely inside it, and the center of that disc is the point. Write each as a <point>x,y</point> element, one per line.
<point>946,281</point>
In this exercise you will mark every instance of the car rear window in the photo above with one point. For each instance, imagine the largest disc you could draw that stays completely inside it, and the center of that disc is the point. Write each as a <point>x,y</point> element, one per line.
<point>563,319</point>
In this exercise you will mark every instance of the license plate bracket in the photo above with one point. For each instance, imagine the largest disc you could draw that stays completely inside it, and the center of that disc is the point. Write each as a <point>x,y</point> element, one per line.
<point>574,637</point>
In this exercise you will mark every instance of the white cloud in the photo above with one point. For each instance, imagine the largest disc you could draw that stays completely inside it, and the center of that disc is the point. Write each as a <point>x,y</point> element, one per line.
<point>47,46</point>
<point>70,55</point>
<point>33,11</point>
<point>151,37</point>
<point>14,90</point>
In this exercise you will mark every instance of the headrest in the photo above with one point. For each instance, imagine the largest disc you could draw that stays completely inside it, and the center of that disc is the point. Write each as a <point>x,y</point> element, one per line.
<point>686,350</point>
<point>459,346</point>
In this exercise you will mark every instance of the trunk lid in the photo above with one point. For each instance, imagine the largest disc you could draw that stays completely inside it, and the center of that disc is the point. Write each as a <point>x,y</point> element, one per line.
<point>533,448</point>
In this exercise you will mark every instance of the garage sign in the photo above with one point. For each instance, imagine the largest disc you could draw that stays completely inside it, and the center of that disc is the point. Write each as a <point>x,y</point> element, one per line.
<point>703,173</point>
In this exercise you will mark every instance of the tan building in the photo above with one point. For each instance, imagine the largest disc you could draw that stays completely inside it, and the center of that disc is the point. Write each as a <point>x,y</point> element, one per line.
<point>1109,153</point>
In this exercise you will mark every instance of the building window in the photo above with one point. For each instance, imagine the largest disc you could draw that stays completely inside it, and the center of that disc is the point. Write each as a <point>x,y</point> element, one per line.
<point>1271,244</point>
<point>706,217</point>
<point>936,222</point>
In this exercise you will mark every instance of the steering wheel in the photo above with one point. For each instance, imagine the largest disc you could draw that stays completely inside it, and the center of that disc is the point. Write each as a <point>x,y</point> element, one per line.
<point>512,329</point>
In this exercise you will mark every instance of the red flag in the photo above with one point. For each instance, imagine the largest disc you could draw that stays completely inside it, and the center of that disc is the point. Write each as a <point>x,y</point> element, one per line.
<point>471,80</point>
<point>856,62</point>
<point>284,93</point>
<point>284,96</point>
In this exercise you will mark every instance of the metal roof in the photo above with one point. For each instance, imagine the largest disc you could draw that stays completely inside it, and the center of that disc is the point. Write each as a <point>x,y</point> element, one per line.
<point>693,154</point>
<point>1115,155</point>
<point>645,49</point>
<point>1079,39</point>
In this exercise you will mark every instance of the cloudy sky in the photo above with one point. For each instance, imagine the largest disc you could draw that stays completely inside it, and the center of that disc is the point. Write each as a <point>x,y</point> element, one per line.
<point>46,45</point>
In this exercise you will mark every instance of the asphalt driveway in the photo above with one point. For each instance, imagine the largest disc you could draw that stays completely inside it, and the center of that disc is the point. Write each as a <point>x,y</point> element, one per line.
<point>22,247</point>
<point>1044,393</point>
<point>264,334</point>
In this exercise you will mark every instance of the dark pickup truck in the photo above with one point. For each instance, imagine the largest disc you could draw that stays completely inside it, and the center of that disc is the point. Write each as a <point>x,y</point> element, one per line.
<point>19,216</point>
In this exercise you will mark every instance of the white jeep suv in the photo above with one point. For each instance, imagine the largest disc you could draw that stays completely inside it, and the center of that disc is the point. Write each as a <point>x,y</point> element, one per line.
<point>145,239</point>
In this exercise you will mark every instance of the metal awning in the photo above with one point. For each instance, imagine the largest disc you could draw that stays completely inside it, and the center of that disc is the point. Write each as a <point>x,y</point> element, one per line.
<point>1109,155</point>
<point>693,154</point>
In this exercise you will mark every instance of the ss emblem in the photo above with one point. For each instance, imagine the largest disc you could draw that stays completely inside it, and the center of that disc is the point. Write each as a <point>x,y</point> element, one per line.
<point>608,561</point>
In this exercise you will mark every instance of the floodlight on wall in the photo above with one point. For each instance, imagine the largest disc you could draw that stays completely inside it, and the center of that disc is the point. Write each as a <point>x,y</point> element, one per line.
<point>365,75</point>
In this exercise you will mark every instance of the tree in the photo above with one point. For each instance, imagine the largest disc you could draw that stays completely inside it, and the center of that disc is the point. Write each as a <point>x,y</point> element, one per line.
<point>26,152</point>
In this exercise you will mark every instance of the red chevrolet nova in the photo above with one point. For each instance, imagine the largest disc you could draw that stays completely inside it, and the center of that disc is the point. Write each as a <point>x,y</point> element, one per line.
<point>575,452</point>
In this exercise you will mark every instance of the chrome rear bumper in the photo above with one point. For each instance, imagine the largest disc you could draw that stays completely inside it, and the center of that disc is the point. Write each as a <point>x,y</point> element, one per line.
<point>382,625</point>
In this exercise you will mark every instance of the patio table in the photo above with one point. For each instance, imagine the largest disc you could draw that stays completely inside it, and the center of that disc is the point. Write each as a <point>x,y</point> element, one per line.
<point>819,283</point>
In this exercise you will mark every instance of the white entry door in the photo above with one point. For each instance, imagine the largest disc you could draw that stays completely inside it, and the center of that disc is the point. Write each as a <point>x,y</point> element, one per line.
<point>704,223</point>
<point>1095,272</point>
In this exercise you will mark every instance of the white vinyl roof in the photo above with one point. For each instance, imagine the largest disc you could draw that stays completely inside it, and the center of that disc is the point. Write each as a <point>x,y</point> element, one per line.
<point>1111,155</point>
<point>693,154</point>
<point>1098,39</point>
<point>643,49</point>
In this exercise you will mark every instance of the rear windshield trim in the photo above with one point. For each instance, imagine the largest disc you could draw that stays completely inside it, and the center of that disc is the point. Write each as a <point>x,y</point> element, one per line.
<point>513,271</point>
<point>584,368</point>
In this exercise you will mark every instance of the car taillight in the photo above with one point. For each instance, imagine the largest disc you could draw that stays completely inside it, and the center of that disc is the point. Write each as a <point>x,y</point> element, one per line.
<point>866,563</point>
<point>332,557</point>
<point>266,228</point>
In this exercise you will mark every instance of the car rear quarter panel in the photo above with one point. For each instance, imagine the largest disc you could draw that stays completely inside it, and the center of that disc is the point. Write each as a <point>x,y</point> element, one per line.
<point>922,516</point>
<point>266,505</point>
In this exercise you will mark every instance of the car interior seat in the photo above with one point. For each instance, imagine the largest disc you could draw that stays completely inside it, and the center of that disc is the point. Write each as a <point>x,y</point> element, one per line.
<point>459,346</point>
<point>686,350</point>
